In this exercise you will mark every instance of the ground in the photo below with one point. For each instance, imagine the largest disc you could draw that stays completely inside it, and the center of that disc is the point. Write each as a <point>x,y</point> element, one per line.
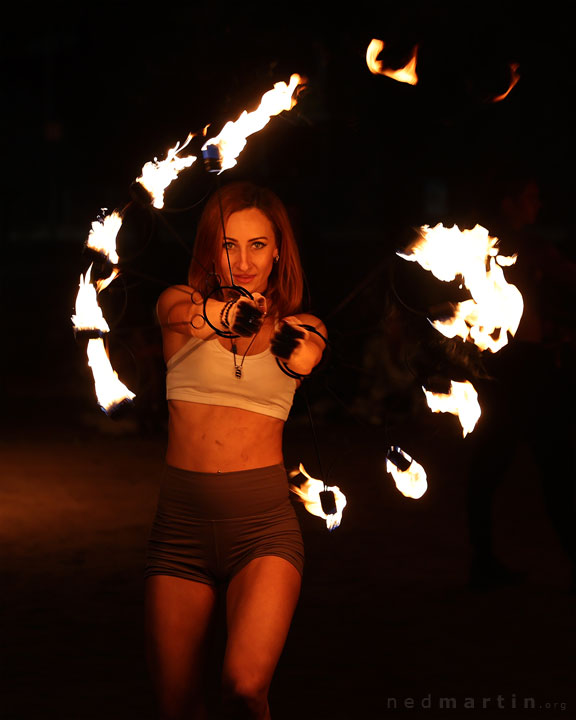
<point>386,623</point>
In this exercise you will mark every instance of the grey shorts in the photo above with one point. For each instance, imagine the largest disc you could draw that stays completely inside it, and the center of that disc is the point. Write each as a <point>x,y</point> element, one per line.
<point>208,526</point>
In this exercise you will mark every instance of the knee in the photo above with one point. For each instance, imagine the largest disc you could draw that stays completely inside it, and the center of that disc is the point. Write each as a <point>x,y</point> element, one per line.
<point>245,697</point>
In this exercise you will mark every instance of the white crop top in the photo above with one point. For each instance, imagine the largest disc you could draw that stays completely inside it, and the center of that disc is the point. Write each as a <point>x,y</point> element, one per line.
<point>203,372</point>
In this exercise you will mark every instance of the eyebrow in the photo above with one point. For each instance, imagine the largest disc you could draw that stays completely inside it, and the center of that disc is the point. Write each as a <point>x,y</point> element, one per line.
<point>260,237</point>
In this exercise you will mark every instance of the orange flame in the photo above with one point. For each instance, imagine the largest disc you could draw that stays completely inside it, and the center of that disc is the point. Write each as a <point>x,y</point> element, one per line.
<point>232,138</point>
<point>102,284</point>
<point>496,306</point>
<point>309,494</point>
<point>411,482</point>
<point>102,236</point>
<point>514,77</point>
<point>406,74</point>
<point>110,391</point>
<point>462,401</point>
<point>157,175</point>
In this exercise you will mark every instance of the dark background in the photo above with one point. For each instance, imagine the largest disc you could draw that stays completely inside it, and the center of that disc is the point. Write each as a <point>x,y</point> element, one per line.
<point>93,93</point>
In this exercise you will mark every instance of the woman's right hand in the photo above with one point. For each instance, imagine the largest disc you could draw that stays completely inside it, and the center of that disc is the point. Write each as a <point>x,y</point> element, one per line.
<point>246,316</point>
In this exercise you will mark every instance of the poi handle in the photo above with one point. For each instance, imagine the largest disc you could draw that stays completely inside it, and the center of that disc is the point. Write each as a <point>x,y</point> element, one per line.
<point>243,292</point>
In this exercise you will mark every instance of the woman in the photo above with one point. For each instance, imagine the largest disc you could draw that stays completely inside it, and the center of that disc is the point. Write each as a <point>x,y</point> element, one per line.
<point>224,514</point>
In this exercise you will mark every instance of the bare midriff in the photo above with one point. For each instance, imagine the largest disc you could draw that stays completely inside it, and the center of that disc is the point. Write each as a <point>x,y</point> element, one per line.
<point>213,438</point>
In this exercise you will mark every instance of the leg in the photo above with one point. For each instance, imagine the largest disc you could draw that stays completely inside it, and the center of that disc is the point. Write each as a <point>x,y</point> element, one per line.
<point>492,448</point>
<point>261,601</point>
<point>178,615</point>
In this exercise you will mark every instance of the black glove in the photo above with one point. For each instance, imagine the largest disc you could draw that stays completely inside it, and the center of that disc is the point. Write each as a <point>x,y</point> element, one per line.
<point>248,318</point>
<point>284,340</point>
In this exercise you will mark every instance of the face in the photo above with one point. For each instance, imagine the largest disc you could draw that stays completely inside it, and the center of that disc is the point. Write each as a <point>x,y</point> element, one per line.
<point>251,244</point>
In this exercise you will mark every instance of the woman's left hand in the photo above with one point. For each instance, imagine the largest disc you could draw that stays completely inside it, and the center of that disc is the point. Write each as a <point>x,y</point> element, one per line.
<point>288,337</point>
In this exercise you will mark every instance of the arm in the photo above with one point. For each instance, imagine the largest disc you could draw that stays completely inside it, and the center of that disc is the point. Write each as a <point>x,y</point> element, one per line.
<point>299,348</point>
<point>180,309</point>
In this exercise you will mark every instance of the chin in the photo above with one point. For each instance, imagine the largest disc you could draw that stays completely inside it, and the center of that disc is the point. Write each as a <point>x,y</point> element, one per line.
<point>253,286</point>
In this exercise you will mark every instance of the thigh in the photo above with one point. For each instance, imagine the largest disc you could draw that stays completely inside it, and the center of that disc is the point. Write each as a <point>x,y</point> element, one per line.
<point>178,622</point>
<point>260,603</point>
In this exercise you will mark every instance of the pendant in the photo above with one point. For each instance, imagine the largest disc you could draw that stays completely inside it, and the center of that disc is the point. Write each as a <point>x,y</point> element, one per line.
<point>238,372</point>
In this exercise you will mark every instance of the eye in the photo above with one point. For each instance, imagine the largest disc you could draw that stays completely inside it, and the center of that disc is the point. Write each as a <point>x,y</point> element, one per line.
<point>258,245</point>
<point>228,245</point>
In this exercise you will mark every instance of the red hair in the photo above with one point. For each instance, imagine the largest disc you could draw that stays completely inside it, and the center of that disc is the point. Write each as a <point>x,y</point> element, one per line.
<point>286,281</point>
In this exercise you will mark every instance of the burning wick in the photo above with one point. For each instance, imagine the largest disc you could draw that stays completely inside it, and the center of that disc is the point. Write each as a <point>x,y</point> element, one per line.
<point>496,306</point>
<point>88,319</point>
<point>157,175</point>
<point>112,394</point>
<point>320,500</point>
<point>409,476</point>
<point>514,78</point>
<point>103,234</point>
<point>406,74</point>
<point>462,401</point>
<point>220,152</point>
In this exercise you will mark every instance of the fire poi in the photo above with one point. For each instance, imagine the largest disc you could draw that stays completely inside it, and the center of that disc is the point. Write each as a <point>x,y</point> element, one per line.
<point>311,492</point>
<point>409,476</point>
<point>486,319</point>
<point>446,252</point>
<point>462,401</point>
<point>496,306</point>
<point>88,317</point>
<point>221,152</point>
<point>406,74</point>
<point>155,178</point>
<point>158,175</point>
<point>103,234</point>
<point>111,392</point>
<point>514,78</point>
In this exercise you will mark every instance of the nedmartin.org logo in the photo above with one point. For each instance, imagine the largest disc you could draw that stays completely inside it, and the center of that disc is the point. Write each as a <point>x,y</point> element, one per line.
<point>496,702</point>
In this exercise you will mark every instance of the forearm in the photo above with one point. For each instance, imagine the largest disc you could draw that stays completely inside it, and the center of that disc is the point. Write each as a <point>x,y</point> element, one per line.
<point>182,310</point>
<point>299,343</point>
<point>305,357</point>
<point>191,318</point>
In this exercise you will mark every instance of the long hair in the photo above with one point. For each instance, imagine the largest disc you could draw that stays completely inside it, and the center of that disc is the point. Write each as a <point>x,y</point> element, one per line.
<point>286,281</point>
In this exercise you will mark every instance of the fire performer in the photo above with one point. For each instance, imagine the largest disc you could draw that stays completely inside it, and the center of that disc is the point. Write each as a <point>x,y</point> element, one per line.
<point>224,521</point>
<point>530,394</point>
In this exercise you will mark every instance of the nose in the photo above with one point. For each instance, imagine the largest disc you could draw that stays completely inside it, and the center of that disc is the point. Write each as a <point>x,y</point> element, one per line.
<point>243,263</point>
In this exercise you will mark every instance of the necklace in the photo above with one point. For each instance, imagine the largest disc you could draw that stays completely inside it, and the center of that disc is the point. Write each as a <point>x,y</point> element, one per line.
<point>238,368</point>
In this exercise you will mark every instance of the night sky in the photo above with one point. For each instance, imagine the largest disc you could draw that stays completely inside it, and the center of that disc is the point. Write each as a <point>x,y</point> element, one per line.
<point>94,94</point>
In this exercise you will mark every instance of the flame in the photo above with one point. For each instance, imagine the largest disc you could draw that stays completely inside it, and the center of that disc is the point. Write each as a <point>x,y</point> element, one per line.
<point>88,313</point>
<point>514,77</point>
<point>406,74</point>
<point>462,400</point>
<point>102,284</point>
<point>309,494</point>
<point>110,391</point>
<point>496,306</point>
<point>102,236</point>
<point>157,175</point>
<point>372,52</point>
<point>411,482</point>
<point>232,138</point>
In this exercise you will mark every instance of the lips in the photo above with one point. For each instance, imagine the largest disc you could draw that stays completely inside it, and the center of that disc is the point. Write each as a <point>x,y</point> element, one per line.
<point>244,278</point>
